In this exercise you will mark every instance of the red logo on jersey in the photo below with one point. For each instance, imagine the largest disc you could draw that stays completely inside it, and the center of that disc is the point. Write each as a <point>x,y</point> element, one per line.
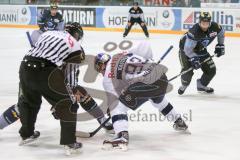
<point>110,75</point>
<point>70,41</point>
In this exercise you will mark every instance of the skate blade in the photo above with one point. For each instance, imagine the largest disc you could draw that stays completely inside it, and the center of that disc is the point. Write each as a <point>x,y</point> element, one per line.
<point>69,151</point>
<point>204,92</point>
<point>27,141</point>
<point>184,132</point>
<point>120,147</point>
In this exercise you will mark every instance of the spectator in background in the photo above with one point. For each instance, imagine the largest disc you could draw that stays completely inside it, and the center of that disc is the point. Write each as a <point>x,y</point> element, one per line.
<point>178,3</point>
<point>30,1</point>
<point>220,1</point>
<point>195,3</point>
<point>235,1</point>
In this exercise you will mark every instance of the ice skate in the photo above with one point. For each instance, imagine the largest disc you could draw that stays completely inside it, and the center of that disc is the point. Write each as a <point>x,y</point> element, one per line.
<point>28,140</point>
<point>120,142</point>
<point>204,89</point>
<point>182,89</point>
<point>72,148</point>
<point>180,126</point>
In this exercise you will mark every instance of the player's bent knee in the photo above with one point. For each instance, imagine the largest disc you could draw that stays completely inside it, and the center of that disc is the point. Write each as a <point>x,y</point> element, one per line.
<point>161,105</point>
<point>213,71</point>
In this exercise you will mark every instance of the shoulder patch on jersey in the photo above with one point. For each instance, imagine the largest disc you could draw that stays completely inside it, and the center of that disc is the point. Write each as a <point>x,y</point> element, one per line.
<point>110,75</point>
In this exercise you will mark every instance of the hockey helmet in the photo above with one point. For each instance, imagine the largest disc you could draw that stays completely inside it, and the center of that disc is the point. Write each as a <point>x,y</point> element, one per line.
<point>75,29</point>
<point>205,16</point>
<point>100,59</point>
<point>54,5</point>
<point>135,4</point>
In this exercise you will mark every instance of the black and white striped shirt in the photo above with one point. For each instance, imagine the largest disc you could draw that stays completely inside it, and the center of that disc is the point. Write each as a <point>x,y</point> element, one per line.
<point>138,13</point>
<point>55,46</point>
<point>71,74</point>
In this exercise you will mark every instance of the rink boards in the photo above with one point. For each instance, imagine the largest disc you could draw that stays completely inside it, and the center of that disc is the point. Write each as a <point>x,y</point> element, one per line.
<point>163,20</point>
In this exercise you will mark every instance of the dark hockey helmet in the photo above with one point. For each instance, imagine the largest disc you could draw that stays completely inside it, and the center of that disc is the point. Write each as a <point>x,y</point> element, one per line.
<point>135,4</point>
<point>54,5</point>
<point>205,16</point>
<point>68,24</point>
<point>75,29</point>
<point>100,59</point>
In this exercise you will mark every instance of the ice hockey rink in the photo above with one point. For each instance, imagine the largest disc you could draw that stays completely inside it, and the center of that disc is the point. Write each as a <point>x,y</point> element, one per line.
<point>213,119</point>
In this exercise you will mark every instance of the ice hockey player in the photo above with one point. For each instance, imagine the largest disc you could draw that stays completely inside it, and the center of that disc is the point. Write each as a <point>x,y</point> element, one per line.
<point>48,20</point>
<point>86,101</point>
<point>136,15</point>
<point>193,51</point>
<point>125,77</point>
<point>71,72</point>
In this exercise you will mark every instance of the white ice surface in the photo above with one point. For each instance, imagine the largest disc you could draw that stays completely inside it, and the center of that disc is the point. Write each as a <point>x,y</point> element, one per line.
<point>215,124</point>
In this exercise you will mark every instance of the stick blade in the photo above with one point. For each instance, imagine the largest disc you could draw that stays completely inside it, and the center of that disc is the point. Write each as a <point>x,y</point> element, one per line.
<point>82,134</point>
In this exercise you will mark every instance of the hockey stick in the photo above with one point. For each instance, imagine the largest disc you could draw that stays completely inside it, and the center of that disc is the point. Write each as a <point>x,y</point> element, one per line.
<point>91,134</point>
<point>165,54</point>
<point>30,39</point>
<point>149,69</point>
<point>190,69</point>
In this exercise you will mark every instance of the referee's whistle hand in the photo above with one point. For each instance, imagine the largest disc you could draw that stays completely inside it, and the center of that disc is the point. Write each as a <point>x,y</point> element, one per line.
<point>78,96</point>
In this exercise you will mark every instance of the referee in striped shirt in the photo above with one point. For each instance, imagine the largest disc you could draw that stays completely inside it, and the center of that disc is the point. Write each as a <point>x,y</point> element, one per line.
<point>136,16</point>
<point>41,75</point>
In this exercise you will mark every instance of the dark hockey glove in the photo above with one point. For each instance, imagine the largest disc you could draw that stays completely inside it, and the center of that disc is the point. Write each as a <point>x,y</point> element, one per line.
<point>219,50</point>
<point>195,62</point>
<point>79,92</point>
<point>79,89</point>
<point>42,28</point>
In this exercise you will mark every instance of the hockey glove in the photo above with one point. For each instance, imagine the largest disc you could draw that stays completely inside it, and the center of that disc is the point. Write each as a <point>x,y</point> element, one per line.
<point>195,62</point>
<point>219,50</point>
<point>79,92</point>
